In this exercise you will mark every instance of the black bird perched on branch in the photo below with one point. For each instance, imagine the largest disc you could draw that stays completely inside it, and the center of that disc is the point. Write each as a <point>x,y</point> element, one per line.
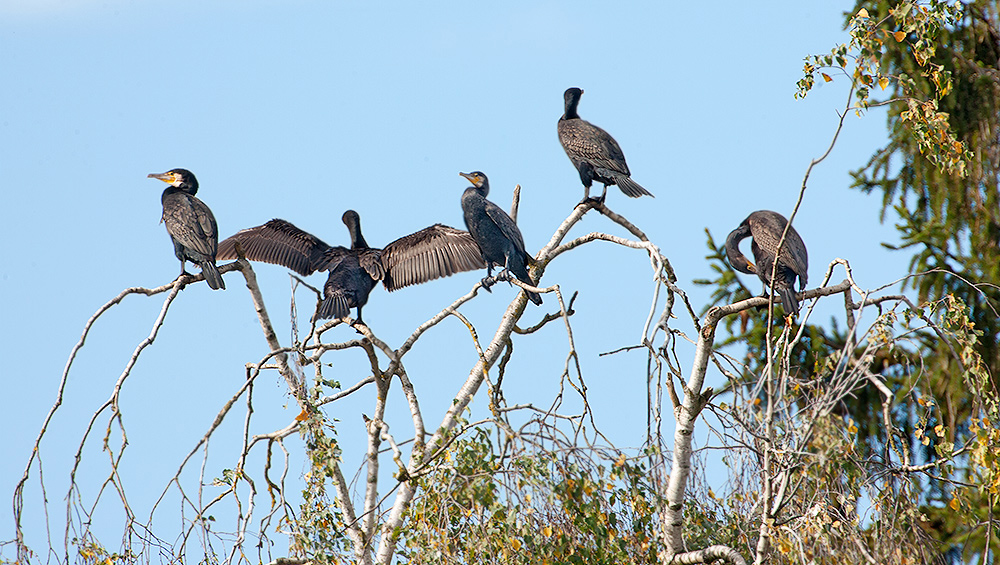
<point>595,154</point>
<point>500,241</point>
<point>190,224</point>
<point>766,228</point>
<point>431,253</point>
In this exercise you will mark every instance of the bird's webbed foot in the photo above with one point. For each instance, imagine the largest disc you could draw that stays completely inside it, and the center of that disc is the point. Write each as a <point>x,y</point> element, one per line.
<point>184,278</point>
<point>587,199</point>
<point>355,323</point>
<point>184,274</point>
<point>487,282</point>
<point>502,276</point>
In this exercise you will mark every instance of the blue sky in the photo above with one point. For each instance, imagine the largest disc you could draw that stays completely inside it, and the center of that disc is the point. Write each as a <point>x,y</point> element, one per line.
<point>301,110</point>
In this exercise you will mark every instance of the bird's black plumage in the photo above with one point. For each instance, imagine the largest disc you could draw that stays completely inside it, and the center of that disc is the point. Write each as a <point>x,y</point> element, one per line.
<point>595,154</point>
<point>431,253</point>
<point>766,227</point>
<point>500,241</point>
<point>190,223</point>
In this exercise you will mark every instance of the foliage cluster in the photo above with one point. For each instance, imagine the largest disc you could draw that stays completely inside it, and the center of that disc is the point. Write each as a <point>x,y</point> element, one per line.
<point>484,505</point>
<point>939,64</point>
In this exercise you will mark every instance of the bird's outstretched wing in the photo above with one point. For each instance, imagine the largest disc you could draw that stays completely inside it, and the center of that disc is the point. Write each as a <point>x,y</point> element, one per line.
<point>431,253</point>
<point>281,243</point>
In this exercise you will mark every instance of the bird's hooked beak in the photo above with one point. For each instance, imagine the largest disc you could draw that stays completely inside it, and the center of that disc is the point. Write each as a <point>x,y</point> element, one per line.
<point>169,178</point>
<point>751,267</point>
<point>469,176</point>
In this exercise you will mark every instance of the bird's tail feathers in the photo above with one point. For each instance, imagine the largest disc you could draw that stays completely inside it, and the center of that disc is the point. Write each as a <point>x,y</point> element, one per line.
<point>212,276</point>
<point>334,306</point>
<point>522,275</point>
<point>631,188</point>
<point>788,301</point>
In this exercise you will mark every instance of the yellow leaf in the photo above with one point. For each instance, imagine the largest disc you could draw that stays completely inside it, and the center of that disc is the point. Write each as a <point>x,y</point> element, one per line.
<point>784,547</point>
<point>899,35</point>
<point>515,543</point>
<point>826,77</point>
<point>883,82</point>
<point>863,13</point>
<point>303,416</point>
<point>955,504</point>
<point>547,531</point>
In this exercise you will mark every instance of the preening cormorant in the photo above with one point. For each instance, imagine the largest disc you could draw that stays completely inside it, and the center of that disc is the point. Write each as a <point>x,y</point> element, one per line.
<point>595,154</point>
<point>766,228</point>
<point>500,241</point>
<point>431,253</point>
<point>190,224</point>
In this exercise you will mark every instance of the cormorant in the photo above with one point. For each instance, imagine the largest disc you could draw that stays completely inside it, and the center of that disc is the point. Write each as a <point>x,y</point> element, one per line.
<point>431,253</point>
<point>500,241</point>
<point>594,153</point>
<point>190,224</point>
<point>766,228</point>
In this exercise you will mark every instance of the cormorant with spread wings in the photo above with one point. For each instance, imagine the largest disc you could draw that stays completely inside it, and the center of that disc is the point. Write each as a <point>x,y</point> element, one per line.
<point>431,253</point>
